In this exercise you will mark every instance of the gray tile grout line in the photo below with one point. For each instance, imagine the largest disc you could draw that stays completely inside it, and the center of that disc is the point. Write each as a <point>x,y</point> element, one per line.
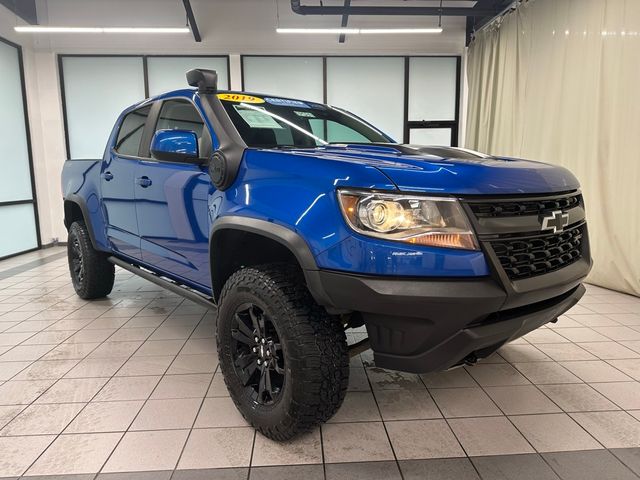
<point>449,425</point>
<point>551,400</point>
<point>324,464</point>
<point>253,447</point>
<point>82,409</point>
<point>12,271</point>
<point>393,450</point>
<point>612,452</point>
<point>525,437</point>
<point>575,451</point>
<point>562,411</point>
<point>204,399</point>
<point>196,327</point>
<point>150,394</point>
<point>582,381</point>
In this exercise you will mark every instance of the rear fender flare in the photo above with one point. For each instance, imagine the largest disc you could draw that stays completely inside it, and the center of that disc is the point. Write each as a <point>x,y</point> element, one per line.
<point>82,204</point>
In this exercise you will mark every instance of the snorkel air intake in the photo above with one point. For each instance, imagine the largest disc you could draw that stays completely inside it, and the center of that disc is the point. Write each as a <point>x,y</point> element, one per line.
<point>226,159</point>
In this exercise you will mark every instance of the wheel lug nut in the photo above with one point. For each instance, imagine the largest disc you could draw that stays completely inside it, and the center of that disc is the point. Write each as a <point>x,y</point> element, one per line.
<point>256,339</point>
<point>259,362</point>
<point>264,340</point>
<point>255,349</point>
<point>268,353</point>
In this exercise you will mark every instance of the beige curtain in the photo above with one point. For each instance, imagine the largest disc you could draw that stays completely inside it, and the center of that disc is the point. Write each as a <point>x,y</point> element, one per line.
<point>559,81</point>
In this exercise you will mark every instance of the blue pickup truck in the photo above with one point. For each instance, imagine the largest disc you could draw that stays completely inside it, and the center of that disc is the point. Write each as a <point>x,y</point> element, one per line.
<point>299,221</point>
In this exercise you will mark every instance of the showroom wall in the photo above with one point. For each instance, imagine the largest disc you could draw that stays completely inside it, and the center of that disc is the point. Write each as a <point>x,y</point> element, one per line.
<point>429,114</point>
<point>45,132</point>
<point>557,82</point>
<point>239,31</point>
<point>137,77</point>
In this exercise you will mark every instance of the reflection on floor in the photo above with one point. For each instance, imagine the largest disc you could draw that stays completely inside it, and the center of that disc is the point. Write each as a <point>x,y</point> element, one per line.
<point>130,385</point>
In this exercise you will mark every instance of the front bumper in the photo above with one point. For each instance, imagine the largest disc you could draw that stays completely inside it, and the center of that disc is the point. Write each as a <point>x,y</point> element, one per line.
<point>425,325</point>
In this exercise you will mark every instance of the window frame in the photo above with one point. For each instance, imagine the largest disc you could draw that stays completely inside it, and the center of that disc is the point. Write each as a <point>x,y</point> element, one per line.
<point>145,72</point>
<point>34,197</point>
<point>407,124</point>
<point>114,149</point>
<point>152,127</point>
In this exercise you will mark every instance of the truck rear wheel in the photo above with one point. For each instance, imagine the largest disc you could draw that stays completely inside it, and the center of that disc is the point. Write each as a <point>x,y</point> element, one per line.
<point>92,275</point>
<point>284,359</point>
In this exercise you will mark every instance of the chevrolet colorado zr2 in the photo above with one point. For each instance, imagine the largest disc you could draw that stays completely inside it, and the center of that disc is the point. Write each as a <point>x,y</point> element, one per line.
<point>299,221</point>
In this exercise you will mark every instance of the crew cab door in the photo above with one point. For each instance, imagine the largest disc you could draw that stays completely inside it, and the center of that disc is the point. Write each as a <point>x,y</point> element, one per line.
<point>117,185</point>
<point>172,202</point>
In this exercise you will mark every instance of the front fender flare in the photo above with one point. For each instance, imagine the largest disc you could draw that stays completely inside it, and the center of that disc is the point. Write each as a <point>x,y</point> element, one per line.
<point>283,235</point>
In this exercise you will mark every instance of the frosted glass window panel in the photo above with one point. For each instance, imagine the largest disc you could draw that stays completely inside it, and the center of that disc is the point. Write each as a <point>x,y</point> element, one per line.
<point>295,77</point>
<point>96,90</point>
<point>168,73</point>
<point>372,88</point>
<point>22,234</point>
<point>15,180</point>
<point>430,136</point>
<point>432,88</point>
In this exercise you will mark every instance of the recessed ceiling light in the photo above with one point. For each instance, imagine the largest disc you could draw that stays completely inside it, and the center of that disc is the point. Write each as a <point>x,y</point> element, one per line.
<point>46,29</point>
<point>357,31</point>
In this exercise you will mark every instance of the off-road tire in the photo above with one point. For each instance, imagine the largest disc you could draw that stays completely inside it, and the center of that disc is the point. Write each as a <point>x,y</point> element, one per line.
<point>316,360</point>
<point>95,276</point>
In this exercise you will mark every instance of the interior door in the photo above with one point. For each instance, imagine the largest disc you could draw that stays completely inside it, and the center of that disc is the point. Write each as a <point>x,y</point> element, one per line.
<point>117,184</point>
<point>172,203</point>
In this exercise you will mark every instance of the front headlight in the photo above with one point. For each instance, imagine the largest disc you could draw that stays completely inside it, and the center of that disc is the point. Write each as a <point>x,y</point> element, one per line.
<point>432,221</point>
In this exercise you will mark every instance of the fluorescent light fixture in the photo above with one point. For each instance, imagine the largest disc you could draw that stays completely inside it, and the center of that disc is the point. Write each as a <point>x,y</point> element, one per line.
<point>357,31</point>
<point>401,30</point>
<point>46,29</point>
<point>351,31</point>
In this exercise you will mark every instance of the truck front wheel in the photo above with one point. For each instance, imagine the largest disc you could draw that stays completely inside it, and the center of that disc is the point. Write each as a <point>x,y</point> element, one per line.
<point>91,273</point>
<point>284,359</point>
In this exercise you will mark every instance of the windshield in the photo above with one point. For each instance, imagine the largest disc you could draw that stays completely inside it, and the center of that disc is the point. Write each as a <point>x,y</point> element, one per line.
<point>268,122</point>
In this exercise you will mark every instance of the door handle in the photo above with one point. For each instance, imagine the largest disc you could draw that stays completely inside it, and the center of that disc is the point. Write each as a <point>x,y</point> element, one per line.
<point>144,182</point>
<point>107,176</point>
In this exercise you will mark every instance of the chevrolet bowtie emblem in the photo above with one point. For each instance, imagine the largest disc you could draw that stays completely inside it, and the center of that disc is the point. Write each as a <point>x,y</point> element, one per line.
<point>555,222</point>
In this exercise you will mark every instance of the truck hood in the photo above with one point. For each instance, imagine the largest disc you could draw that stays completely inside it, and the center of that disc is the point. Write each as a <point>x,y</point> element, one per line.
<point>415,168</point>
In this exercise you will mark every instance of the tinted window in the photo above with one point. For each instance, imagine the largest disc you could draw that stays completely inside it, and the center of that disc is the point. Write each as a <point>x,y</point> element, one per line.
<point>278,122</point>
<point>130,134</point>
<point>180,115</point>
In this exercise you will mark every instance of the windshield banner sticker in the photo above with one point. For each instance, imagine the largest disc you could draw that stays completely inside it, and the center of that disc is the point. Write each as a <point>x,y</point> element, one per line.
<point>286,102</point>
<point>239,97</point>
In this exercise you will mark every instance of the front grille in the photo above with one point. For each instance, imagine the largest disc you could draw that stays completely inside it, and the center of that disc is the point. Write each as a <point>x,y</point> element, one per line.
<point>535,254</point>
<point>524,207</point>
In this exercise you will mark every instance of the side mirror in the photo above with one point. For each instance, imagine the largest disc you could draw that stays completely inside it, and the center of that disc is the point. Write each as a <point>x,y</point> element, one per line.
<point>175,146</point>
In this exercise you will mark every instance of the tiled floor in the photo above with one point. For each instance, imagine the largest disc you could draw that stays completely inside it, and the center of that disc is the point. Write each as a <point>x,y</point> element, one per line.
<point>128,387</point>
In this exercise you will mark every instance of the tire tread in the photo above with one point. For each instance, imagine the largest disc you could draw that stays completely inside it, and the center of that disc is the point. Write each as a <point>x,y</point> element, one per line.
<point>324,368</point>
<point>99,273</point>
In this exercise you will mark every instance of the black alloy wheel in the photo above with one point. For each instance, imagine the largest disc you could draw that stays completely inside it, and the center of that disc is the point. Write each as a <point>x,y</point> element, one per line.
<point>75,262</point>
<point>283,358</point>
<point>91,273</point>
<point>258,357</point>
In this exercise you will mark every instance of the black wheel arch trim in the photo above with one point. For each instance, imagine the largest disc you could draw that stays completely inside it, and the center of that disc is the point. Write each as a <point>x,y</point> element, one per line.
<point>283,235</point>
<point>80,202</point>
